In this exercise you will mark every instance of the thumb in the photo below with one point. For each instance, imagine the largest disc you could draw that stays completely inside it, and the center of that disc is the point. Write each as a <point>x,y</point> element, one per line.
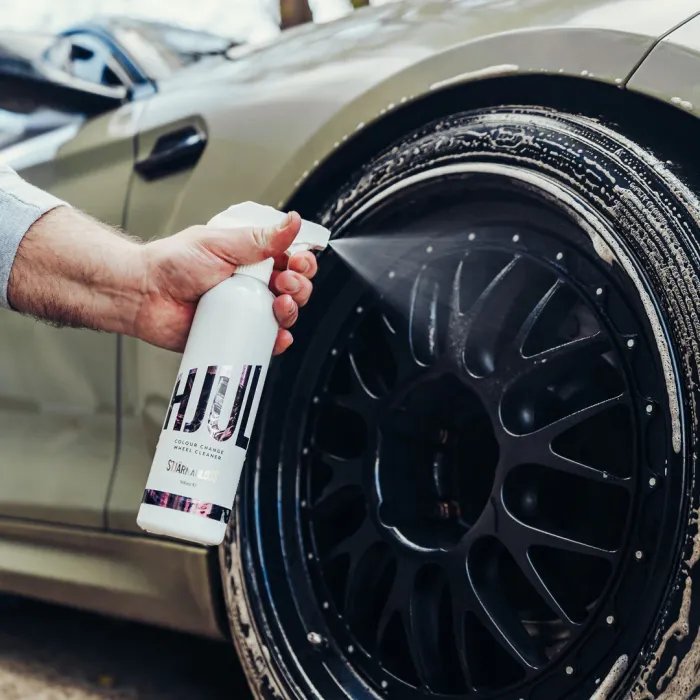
<point>246,245</point>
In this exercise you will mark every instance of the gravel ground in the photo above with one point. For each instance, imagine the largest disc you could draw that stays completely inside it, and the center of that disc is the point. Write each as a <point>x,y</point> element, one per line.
<point>52,653</point>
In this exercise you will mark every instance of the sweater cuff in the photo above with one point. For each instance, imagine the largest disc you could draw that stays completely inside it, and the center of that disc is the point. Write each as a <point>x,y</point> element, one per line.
<point>21,204</point>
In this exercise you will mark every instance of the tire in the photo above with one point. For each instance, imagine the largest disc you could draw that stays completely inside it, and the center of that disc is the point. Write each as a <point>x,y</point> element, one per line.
<point>542,202</point>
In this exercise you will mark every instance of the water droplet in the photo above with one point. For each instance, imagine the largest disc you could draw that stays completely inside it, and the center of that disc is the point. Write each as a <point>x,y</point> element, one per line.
<point>599,291</point>
<point>610,619</point>
<point>569,670</point>
<point>560,256</point>
<point>516,238</point>
<point>472,236</point>
<point>630,343</point>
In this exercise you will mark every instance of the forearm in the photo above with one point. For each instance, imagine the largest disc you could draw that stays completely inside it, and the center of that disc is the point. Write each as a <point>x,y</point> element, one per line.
<point>74,271</point>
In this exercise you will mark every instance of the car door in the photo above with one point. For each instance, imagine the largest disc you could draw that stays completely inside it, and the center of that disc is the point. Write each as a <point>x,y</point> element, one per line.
<point>58,386</point>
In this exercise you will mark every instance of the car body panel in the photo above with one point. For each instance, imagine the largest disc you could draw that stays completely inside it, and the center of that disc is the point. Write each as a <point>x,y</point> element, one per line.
<point>670,72</point>
<point>58,392</point>
<point>155,581</point>
<point>274,115</point>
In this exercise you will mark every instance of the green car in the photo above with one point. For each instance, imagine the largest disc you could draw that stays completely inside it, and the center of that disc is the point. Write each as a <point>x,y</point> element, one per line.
<point>475,473</point>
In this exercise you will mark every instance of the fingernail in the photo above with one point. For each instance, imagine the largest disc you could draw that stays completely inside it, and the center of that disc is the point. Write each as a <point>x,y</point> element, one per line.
<point>305,265</point>
<point>291,307</point>
<point>293,285</point>
<point>285,222</point>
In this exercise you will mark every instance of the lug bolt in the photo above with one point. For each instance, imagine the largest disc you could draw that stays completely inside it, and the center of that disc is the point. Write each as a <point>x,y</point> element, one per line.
<point>385,684</point>
<point>649,409</point>
<point>610,619</point>
<point>325,605</point>
<point>639,555</point>
<point>560,256</point>
<point>310,556</point>
<point>334,352</point>
<point>652,481</point>
<point>314,638</point>
<point>359,309</point>
<point>630,343</point>
<point>305,451</point>
<point>472,236</point>
<point>599,291</point>
<point>429,249</point>
<point>303,504</point>
<point>351,649</point>
<point>569,670</point>
<point>516,238</point>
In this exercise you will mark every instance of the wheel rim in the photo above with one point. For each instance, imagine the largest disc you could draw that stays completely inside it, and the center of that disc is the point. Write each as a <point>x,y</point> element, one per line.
<point>456,441</point>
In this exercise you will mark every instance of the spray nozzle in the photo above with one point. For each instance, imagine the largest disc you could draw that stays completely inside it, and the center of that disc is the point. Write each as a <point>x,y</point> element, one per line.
<point>310,237</point>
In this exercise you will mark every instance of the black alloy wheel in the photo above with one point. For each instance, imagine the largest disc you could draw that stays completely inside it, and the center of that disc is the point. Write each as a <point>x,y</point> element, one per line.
<point>476,482</point>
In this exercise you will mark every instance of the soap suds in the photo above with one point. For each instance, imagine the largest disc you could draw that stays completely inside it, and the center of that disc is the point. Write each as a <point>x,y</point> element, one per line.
<point>611,681</point>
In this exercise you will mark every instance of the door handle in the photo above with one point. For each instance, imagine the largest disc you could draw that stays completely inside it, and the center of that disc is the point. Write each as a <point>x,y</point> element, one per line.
<point>173,152</point>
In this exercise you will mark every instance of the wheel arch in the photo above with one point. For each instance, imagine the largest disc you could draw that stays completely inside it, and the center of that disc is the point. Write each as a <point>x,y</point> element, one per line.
<point>670,131</point>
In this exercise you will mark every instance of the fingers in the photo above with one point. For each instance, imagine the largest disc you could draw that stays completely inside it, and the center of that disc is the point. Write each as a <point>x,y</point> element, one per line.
<point>286,311</point>
<point>292,283</point>
<point>283,341</point>
<point>303,263</point>
<point>249,244</point>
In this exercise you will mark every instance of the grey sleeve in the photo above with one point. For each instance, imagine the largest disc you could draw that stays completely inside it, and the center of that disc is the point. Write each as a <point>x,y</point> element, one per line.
<point>21,204</point>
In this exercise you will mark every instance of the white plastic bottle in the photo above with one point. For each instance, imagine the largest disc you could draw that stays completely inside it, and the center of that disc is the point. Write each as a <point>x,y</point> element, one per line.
<point>202,446</point>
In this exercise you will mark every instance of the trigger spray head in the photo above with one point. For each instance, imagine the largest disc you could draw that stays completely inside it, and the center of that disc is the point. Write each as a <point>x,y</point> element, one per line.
<point>310,237</point>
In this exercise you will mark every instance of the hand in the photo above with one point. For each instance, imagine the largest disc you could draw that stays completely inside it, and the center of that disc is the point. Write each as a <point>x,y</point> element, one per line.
<point>178,270</point>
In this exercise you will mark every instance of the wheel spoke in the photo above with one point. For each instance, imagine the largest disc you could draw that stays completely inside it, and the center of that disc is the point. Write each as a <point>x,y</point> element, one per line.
<point>346,473</point>
<point>364,575</point>
<point>356,544</point>
<point>515,531</point>
<point>523,560</point>
<point>556,428</point>
<point>573,354</point>
<point>423,317</point>
<point>359,399</point>
<point>534,449</point>
<point>543,304</point>
<point>462,320</point>
<point>499,618</point>
<point>568,466</point>
<point>460,633</point>
<point>498,314</point>
<point>396,602</point>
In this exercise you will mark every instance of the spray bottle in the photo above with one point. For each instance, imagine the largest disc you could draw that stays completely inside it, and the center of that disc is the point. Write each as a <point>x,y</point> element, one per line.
<point>202,446</point>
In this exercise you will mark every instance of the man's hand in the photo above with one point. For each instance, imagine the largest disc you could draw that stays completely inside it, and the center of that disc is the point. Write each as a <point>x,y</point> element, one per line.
<point>72,270</point>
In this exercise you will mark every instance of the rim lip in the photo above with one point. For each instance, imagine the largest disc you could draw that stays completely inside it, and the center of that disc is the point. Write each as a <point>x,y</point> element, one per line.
<point>601,233</point>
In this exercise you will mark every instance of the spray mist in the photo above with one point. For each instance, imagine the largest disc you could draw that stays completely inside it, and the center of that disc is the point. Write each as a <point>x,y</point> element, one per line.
<point>202,446</point>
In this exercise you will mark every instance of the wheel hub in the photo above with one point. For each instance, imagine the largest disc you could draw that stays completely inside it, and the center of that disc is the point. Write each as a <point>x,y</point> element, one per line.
<point>440,485</point>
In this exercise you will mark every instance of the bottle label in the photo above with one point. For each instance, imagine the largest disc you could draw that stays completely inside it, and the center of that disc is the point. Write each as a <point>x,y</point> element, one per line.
<point>152,497</point>
<point>204,439</point>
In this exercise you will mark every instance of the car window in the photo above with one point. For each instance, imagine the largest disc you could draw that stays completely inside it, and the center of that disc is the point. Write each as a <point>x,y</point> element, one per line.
<point>87,58</point>
<point>23,118</point>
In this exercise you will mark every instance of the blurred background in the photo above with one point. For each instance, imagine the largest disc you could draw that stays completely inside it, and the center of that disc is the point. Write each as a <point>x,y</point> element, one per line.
<point>239,20</point>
